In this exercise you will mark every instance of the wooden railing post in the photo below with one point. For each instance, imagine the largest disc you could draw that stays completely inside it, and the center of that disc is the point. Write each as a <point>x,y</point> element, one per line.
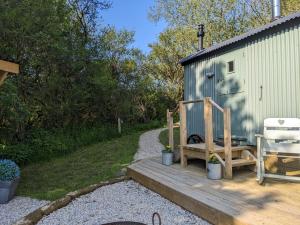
<point>227,143</point>
<point>119,125</point>
<point>209,142</point>
<point>183,132</point>
<point>3,76</point>
<point>170,128</point>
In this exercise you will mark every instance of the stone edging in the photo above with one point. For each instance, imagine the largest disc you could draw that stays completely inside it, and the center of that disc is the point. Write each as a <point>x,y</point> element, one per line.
<point>35,216</point>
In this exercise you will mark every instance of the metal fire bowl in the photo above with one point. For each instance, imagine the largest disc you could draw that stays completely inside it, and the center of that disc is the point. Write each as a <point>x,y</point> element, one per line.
<point>155,215</point>
<point>124,223</point>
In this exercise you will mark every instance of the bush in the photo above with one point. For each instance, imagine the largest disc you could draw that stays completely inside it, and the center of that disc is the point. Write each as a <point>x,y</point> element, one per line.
<point>13,114</point>
<point>9,170</point>
<point>43,144</point>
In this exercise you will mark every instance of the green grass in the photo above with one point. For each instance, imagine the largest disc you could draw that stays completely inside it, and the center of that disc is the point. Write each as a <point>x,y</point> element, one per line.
<point>88,165</point>
<point>164,137</point>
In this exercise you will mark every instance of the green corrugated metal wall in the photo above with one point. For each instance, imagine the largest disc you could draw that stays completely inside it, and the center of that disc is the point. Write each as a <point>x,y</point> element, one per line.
<point>266,83</point>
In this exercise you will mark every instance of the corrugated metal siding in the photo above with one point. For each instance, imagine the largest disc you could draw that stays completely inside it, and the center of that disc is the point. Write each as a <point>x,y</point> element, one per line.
<point>272,62</point>
<point>198,86</point>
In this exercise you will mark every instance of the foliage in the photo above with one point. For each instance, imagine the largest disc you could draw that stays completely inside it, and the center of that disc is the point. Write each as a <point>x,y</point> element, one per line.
<point>167,149</point>
<point>9,170</point>
<point>13,114</point>
<point>75,74</point>
<point>290,6</point>
<point>223,19</point>
<point>213,159</point>
<point>173,45</point>
<point>164,137</point>
<point>41,144</point>
<point>52,179</point>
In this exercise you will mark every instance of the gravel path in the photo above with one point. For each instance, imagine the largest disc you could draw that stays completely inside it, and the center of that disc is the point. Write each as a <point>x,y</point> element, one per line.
<point>17,208</point>
<point>149,145</point>
<point>120,202</point>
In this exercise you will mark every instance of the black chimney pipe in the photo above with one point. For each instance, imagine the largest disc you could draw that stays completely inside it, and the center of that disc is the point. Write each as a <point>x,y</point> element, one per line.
<point>200,36</point>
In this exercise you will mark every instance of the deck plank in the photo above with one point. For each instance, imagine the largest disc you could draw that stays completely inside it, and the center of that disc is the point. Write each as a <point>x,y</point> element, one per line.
<point>237,201</point>
<point>233,197</point>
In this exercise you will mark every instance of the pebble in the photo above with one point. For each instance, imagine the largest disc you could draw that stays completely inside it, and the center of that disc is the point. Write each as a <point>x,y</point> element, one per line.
<point>123,201</point>
<point>17,208</point>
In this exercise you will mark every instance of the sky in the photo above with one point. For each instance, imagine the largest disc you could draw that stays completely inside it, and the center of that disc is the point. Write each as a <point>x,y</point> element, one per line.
<point>133,16</point>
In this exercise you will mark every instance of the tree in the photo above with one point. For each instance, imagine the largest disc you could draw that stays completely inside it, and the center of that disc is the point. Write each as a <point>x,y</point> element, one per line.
<point>290,6</point>
<point>163,61</point>
<point>223,19</point>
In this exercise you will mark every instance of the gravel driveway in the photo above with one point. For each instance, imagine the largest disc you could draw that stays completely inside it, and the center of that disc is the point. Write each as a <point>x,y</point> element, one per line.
<point>149,145</point>
<point>120,202</point>
<point>17,208</point>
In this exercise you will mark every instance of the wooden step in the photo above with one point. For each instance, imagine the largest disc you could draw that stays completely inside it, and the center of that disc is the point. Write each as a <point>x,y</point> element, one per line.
<point>217,148</point>
<point>243,162</point>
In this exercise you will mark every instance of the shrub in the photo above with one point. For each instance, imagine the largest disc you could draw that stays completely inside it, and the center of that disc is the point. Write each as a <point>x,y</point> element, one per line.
<point>13,114</point>
<point>213,159</point>
<point>41,144</point>
<point>9,170</point>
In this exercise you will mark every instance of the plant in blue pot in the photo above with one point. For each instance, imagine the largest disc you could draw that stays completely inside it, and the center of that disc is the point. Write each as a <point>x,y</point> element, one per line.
<point>9,179</point>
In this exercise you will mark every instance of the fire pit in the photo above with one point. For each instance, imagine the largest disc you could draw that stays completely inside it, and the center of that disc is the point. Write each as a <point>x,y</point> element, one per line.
<point>136,223</point>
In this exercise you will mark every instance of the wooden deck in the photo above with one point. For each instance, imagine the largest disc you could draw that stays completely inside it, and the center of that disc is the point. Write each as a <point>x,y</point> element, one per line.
<point>237,201</point>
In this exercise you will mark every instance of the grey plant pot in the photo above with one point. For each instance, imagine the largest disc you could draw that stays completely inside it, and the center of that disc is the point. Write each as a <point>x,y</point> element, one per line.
<point>214,171</point>
<point>8,190</point>
<point>167,158</point>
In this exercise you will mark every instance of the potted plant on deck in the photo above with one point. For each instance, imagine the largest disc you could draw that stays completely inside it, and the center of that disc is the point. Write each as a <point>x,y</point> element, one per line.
<point>167,156</point>
<point>214,168</point>
<point>9,179</point>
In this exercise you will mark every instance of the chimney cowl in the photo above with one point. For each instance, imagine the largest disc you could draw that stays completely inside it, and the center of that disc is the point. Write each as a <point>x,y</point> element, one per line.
<point>276,14</point>
<point>200,35</point>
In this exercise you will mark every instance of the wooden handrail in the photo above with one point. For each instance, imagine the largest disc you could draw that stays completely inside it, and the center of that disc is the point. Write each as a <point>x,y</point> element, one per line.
<point>220,159</point>
<point>227,163</point>
<point>174,110</point>
<point>209,136</point>
<point>227,143</point>
<point>216,105</point>
<point>170,128</point>
<point>192,101</point>
<point>183,131</point>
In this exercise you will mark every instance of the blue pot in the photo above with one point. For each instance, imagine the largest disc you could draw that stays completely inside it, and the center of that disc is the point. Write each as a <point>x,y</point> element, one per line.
<point>8,190</point>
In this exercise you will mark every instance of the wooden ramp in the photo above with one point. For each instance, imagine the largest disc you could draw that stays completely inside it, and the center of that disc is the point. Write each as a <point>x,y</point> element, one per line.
<point>237,201</point>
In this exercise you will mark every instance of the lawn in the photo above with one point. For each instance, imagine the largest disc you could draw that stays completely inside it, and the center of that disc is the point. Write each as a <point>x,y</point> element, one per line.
<point>53,179</point>
<point>164,137</point>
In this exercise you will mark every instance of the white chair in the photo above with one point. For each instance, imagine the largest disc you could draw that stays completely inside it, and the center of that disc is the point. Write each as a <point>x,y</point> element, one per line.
<point>281,137</point>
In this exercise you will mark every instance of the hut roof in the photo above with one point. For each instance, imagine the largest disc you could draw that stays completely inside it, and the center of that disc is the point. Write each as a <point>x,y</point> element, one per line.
<point>250,34</point>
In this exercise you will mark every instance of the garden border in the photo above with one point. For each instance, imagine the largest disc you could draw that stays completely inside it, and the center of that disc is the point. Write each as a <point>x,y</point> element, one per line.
<point>35,216</point>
